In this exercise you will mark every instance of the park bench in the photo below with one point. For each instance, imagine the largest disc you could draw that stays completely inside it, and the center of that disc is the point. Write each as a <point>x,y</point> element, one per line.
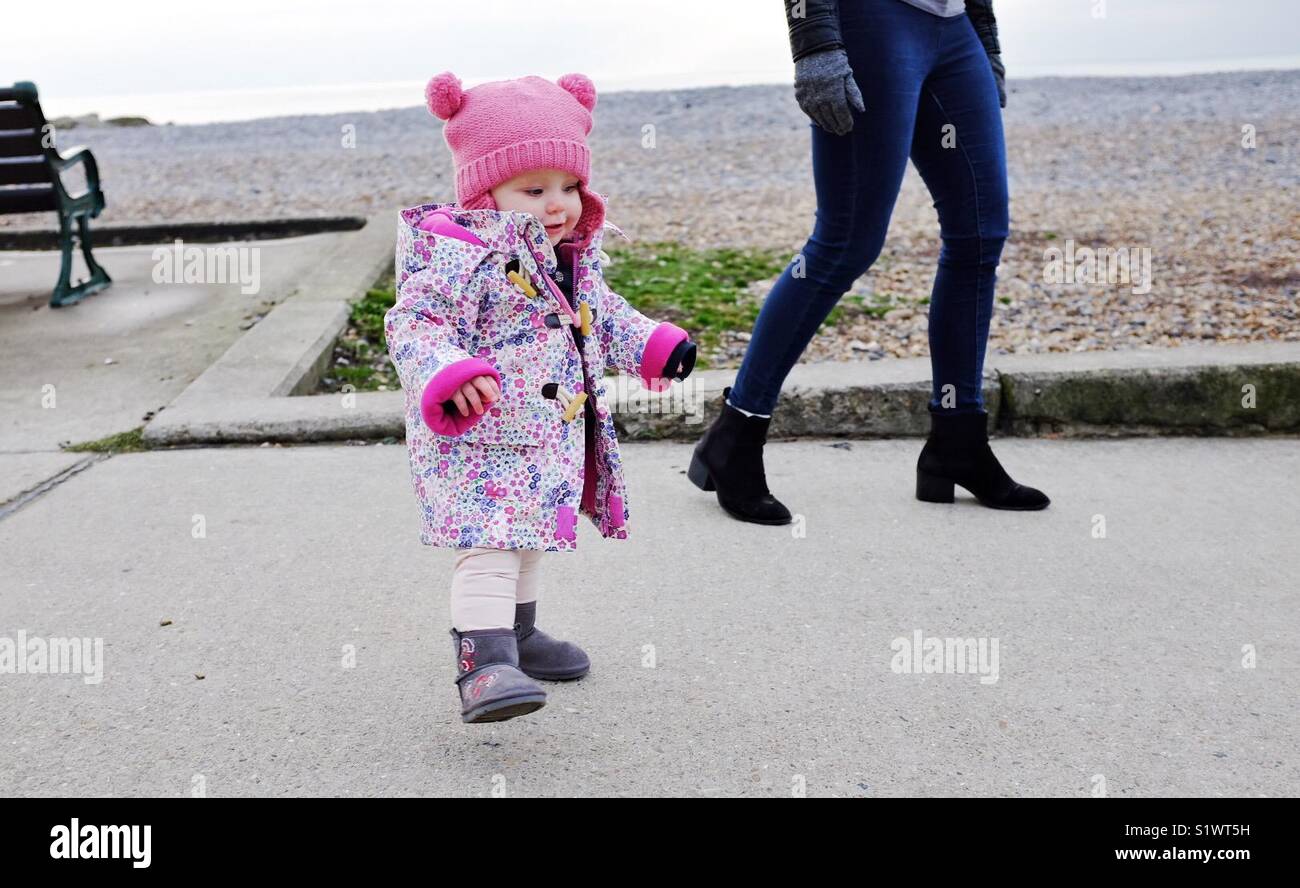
<point>30,182</point>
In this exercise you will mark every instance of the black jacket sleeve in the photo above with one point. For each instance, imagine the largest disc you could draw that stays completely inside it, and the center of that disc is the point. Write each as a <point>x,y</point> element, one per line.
<point>980,13</point>
<point>814,26</point>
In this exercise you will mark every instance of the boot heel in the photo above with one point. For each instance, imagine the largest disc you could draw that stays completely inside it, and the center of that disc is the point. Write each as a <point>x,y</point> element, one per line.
<point>933,489</point>
<point>699,474</point>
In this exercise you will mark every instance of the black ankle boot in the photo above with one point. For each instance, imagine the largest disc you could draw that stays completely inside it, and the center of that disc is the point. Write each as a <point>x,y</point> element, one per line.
<point>729,459</point>
<point>958,452</point>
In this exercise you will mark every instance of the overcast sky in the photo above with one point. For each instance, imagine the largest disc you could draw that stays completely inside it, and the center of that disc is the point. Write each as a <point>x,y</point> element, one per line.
<point>84,48</point>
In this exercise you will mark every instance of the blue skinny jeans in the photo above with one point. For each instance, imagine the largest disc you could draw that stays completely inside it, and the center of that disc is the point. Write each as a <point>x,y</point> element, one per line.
<point>930,95</point>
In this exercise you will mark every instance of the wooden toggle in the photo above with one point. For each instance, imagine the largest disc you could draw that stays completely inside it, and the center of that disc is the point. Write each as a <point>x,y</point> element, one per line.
<point>572,403</point>
<point>522,283</point>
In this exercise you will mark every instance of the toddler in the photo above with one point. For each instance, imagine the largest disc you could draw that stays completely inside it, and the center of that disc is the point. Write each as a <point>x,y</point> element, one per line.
<point>501,333</point>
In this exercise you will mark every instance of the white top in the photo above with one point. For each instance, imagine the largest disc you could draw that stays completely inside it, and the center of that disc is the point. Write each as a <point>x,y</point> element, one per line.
<point>945,8</point>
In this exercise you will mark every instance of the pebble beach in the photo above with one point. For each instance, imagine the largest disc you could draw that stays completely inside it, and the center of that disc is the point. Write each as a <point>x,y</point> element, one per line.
<point>1198,173</point>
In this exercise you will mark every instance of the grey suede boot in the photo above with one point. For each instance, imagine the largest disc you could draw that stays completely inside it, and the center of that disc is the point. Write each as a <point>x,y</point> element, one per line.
<point>543,657</point>
<point>487,672</point>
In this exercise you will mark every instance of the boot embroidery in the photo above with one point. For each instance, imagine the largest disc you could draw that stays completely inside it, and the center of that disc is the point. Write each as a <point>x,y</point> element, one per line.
<point>482,683</point>
<point>467,655</point>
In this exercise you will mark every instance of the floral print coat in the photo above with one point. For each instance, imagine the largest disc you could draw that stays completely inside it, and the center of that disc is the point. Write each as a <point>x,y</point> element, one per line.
<point>472,299</point>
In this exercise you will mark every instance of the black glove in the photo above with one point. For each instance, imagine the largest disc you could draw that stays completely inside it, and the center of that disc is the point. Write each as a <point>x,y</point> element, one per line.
<point>681,362</point>
<point>980,13</point>
<point>1000,75</point>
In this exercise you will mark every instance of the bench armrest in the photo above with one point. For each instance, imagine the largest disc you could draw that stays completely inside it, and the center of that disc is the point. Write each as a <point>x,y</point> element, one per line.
<point>72,157</point>
<point>62,161</point>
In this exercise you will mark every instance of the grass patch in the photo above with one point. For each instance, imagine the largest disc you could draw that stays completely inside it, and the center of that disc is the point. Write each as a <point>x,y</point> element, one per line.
<point>705,292</point>
<point>361,353</point>
<point>122,442</point>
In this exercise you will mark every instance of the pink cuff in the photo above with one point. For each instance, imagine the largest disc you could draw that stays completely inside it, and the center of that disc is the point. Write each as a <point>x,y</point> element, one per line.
<point>658,348</point>
<point>443,385</point>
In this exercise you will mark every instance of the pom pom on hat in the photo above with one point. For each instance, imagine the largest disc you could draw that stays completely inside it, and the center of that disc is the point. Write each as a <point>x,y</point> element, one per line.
<point>581,88</point>
<point>444,95</point>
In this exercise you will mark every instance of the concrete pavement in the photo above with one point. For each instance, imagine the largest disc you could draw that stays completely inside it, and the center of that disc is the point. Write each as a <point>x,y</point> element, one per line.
<point>728,659</point>
<point>106,364</point>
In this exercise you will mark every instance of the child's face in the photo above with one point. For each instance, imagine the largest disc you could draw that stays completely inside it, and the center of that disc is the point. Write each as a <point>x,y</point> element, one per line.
<point>550,195</point>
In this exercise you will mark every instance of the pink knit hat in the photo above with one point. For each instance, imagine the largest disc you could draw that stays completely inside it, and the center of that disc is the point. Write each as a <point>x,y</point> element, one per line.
<point>498,130</point>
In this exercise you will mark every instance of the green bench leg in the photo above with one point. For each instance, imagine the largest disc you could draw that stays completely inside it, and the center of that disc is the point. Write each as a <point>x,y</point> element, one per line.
<point>64,292</point>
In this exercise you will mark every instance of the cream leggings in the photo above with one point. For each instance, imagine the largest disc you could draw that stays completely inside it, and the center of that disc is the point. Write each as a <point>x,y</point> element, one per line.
<point>487,584</point>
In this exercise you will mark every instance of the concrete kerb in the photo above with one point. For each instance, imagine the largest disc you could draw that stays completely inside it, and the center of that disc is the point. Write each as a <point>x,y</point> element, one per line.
<point>284,354</point>
<point>257,391</point>
<point>852,398</point>
<point>1222,389</point>
<point>1234,389</point>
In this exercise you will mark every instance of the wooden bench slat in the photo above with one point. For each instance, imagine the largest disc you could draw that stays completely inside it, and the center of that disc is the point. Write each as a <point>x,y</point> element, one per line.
<point>20,144</point>
<point>14,117</point>
<point>23,172</point>
<point>28,199</point>
<point>19,92</point>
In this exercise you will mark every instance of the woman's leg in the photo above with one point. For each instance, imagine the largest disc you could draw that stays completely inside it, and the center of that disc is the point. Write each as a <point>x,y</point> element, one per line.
<point>891,47</point>
<point>958,149</point>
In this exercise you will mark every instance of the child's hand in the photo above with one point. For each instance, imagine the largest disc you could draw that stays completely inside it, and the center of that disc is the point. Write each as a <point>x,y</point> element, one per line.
<point>478,392</point>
